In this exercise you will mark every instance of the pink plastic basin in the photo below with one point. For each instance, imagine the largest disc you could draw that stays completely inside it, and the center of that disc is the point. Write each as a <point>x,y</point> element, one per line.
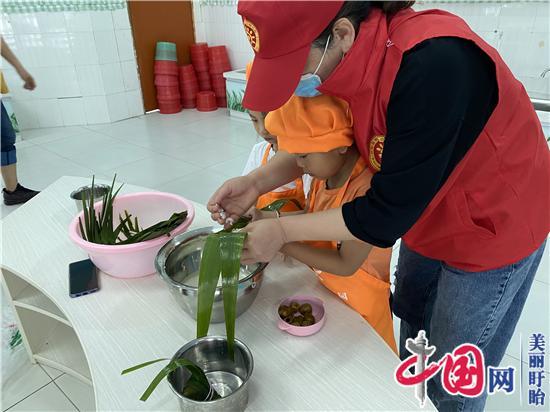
<point>318,311</point>
<point>136,260</point>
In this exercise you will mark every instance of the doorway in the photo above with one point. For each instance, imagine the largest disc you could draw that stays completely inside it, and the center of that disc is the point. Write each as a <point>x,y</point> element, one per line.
<point>154,21</point>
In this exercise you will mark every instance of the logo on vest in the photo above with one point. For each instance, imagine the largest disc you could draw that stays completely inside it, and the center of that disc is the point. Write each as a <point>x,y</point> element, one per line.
<point>252,34</point>
<point>376,146</point>
<point>343,295</point>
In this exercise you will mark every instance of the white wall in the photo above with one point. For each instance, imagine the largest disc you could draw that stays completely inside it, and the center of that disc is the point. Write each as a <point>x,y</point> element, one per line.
<point>519,31</point>
<point>83,63</point>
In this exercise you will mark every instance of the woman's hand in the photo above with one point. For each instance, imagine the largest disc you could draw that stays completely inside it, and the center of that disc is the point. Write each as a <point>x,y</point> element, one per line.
<point>234,198</point>
<point>30,84</point>
<point>265,238</point>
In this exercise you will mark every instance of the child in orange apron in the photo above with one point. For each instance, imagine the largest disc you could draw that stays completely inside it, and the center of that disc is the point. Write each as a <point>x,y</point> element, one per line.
<point>260,155</point>
<point>318,130</point>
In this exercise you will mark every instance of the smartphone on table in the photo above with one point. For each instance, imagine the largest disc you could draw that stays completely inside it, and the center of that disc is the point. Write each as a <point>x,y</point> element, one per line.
<point>83,278</point>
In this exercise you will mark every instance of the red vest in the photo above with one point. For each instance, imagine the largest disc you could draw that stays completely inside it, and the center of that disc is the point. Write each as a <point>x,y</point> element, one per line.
<point>494,209</point>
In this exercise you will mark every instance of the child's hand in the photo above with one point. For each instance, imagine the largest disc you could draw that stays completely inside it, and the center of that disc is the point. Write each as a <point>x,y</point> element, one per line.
<point>255,214</point>
<point>232,199</point>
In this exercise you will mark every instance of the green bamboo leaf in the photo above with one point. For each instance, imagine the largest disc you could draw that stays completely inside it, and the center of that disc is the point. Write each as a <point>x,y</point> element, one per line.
<point>91,211</point>
<point>209,273</point>
<point>197,386</point>
<point>231,247</point>
<point>141,365</point>
<point>158,229</point>
<point>86,217</point>
<point>277,205</point>
<point>172,366</point>
<point>104,205</point>
<point>239,224</point>
<point>81,229</point>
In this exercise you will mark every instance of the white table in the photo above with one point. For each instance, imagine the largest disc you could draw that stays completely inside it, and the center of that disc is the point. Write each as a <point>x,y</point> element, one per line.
<point>345,366</point>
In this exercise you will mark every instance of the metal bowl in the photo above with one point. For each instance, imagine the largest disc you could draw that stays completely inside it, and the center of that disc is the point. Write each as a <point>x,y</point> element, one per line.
<point>227,376</point>
<point>78,194</point>
<point>178,264</point>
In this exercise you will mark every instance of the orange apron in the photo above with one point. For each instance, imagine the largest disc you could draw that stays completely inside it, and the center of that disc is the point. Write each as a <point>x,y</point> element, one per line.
<point>297,193</point>
<point>366,293</point>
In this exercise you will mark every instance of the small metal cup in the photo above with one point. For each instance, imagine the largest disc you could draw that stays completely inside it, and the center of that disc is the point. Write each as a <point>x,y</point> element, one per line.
<point>229,378</point>
<point>98,190</point>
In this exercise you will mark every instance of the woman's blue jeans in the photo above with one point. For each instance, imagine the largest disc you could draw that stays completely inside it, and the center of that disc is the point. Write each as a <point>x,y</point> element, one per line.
<point>454,307</point>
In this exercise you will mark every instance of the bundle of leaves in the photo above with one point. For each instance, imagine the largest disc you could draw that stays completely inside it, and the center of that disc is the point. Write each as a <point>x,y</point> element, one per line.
<point>221,256</point>
<point>98,226</point>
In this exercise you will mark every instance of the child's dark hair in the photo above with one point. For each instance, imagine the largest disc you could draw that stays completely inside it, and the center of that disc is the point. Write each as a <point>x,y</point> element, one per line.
<point>357,11</point>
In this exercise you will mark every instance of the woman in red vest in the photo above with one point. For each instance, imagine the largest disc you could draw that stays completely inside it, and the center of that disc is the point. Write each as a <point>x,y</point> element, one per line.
<point>462,169</point>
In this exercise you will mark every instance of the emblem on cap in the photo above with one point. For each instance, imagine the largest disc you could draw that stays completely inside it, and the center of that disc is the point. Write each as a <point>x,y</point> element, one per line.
<point>252,34</point>
<point>376,146</point>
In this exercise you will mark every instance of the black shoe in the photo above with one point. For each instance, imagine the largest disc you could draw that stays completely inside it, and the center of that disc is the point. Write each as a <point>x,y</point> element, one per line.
<point>19,195</point>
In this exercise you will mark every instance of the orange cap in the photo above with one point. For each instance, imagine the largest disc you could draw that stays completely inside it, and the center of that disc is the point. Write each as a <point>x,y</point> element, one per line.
<point>311,124</point>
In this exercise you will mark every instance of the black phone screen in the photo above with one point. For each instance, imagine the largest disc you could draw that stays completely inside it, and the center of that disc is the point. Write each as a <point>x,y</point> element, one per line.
<point>82,278</point>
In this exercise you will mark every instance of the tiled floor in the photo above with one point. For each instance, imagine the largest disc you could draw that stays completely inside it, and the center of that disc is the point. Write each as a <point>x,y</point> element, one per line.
<point>191,154</point>
<point>40,388</point>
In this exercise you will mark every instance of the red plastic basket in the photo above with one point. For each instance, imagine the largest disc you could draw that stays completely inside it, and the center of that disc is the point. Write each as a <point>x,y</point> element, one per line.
<point>166,67</point>
<point>198,47</point>
<point>221,101</point>
<point>189,93</point>
<point>189,103</point>
<point>187,73</point>
<point>169,106</point>
<point>204,81</point>
<point>168,92</point>
<point>216,51</point>
<point>206,101</point>
<point>166,80</point>
<point>199,56</point>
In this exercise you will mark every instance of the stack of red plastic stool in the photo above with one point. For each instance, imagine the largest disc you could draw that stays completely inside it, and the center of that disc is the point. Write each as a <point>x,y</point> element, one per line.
<point>189,86</point>
<point>218,61</point>
<point>199,59</point>
<point>166,78</point>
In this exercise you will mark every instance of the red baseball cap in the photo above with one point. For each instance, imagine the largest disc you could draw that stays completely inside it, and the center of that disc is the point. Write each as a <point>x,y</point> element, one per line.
<point>281,33</point>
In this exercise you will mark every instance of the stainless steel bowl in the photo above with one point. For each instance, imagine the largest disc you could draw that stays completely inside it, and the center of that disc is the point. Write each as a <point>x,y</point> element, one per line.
<point>178,264</point>
<point>78,194</point>
<point>228,377</point>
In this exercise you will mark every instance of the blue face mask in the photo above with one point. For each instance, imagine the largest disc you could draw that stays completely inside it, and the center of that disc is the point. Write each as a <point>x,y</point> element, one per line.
<point>307,87</point>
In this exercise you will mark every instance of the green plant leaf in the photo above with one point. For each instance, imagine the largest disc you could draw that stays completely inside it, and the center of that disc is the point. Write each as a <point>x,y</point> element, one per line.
<point>278,204</point>
<point>209,273</point>
<point>81,228</point>
<point>172,366</point>
<point>197,386</point>
<point>86,217</point>
<point>239,224</point>
<point>141,365</point>
<point>231,246</point>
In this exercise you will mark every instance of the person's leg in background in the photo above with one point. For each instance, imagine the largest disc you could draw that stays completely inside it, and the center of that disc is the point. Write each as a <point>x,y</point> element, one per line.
<point>480,308</point>
<point>9,156</point>
<point>415,285</point>
<point>13,192</point>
